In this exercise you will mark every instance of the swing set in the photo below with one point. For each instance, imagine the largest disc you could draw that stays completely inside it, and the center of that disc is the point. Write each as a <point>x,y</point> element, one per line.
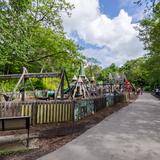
<point>43,95</point>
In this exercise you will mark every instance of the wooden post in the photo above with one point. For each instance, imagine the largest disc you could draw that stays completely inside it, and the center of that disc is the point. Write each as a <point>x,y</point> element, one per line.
<point>28,128</point>
<point>73,115</point>
<point>34,113</point>
<point>23,89</point>
<point>62,86</point>
<point>65,74</point>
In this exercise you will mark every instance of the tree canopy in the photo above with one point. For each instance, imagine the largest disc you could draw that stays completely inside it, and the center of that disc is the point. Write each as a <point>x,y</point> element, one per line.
<point>149,33</point>
<point>31,35</point>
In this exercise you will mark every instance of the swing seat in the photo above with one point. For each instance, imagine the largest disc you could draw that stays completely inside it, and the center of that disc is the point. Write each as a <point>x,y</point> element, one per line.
<point>51,94</point>
<point>41,94</point>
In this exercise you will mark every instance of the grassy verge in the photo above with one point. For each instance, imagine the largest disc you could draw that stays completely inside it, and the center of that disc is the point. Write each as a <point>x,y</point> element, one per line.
<point>13,152</point>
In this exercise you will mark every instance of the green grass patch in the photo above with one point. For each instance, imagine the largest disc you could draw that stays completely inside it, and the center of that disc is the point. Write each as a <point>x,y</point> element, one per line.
<point>12,149</point>
<point>13,152</point>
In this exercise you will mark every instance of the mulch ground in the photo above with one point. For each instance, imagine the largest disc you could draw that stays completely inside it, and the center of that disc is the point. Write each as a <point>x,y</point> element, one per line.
<point>52,137</point>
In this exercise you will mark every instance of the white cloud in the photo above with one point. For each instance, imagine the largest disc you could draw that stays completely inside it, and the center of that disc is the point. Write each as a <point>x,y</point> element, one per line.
<point>136,11</point>
<point>117,36</point>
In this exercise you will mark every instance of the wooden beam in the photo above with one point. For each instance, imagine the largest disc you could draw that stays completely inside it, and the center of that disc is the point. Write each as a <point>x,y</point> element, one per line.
<point>23,90</point>
<point>30,75</point>
<point>62,86</point>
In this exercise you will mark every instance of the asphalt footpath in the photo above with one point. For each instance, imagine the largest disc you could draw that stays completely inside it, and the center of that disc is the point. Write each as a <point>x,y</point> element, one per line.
<point>133,133</point>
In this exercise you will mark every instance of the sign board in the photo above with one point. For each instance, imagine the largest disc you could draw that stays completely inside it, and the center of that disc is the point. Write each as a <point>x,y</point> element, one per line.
<point>15,123</point>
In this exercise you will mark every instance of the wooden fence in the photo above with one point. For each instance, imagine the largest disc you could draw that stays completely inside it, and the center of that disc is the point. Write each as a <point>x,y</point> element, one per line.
<point>42,112</point>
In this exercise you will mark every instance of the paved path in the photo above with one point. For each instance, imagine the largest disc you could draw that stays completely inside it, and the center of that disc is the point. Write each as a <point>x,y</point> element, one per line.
<point>133,133</point>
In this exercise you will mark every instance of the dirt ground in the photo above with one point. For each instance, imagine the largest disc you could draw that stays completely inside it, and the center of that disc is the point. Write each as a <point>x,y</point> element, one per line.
<point>52,137</point>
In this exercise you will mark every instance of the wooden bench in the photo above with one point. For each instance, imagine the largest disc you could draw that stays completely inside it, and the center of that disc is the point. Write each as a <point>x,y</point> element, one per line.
<point>15,123</point>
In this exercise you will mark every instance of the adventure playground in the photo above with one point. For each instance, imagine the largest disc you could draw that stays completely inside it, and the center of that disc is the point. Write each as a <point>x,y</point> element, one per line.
<point>63,110</point>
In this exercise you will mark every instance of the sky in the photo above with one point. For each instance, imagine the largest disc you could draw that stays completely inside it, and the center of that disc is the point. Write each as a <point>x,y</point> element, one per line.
<point>105,29</point>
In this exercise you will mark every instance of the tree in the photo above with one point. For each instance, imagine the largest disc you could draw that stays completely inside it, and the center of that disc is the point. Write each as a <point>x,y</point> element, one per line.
<point>149,33</point>
<point>31,35</point>
<point>56,50</point>
<point>105,72</point>
<point>148,4</point>
<point>93,71</point>
<point>14,36</point>
<point>93,68</point>
<point>136,71</point>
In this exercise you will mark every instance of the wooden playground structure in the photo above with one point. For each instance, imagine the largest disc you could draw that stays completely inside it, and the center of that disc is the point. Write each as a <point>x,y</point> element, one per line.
<point>79,88</point>
<point>26,76</point>
<point>80,99</point>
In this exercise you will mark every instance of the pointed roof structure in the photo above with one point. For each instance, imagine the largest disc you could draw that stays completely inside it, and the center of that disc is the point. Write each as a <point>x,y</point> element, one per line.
<point>81,71</point>
<point>74,78</point>
<point>116,76</point>
<point>93,79</point>
<point>123,76</point>
<point>80,80</point>
<point>110,76</point>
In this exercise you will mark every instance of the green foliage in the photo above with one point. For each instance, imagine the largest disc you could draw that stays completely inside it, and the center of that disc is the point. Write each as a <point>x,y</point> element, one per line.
<point>93,71</point>
<point>136,71</point>
<point>148,88</point>
<point>150,35</point>
<point>31,35</point>
<point>51,84</point>
<point>58,51</point>
<point>105,72</point>
<point>14,38</point>
<point>149,5</point>
<point>7,86</point>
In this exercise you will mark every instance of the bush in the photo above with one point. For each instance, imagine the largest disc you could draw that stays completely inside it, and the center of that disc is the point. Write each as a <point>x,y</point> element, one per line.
<point>147,88</point>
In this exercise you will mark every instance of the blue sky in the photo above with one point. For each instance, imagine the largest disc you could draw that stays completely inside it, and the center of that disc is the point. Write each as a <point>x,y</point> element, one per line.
<point>113,7</point>
<point>110,7</point>
<point>105,29</point>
